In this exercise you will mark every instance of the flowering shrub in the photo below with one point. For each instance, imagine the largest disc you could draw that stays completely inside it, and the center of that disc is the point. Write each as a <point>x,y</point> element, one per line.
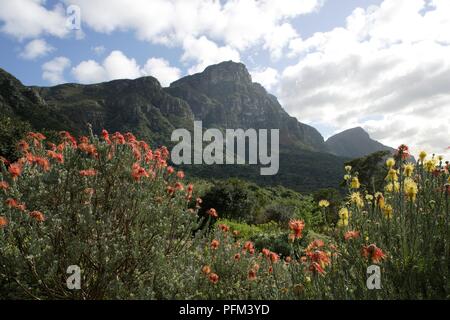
<point>113,207</point>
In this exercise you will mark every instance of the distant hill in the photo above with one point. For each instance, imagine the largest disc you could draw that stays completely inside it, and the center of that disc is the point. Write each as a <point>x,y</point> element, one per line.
<point>354,143</point>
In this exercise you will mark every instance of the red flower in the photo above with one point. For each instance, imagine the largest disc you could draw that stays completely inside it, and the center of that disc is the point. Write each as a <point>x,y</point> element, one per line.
<point>3,222</point>
<point>68,138</point>
<point>43,163</point>
<point>88,173</point>
<point>214,278</point>
<point>170,170</point>
<point>248,245</point>
<point>12,203</point>
<point>137,172</point>
<point>215,244</point>
<point>224,227</point>
<point>105,136</point>
<point>351,235</point>
<point>4,185</point>
<point>15,170</point>
<point>39,216</point>
<point>252,275</point>
<point>180,175</point>
<point>118,138</point>
<point>403,152</point>
<point>297,227</point>
<point>179,186</point>
<point>56,156</point>
<point>213,213</point>
<point>274,257</point>
<point>373,253</point>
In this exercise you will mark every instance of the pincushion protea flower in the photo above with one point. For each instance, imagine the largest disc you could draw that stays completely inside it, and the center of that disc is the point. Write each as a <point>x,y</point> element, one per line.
<point>214,278</point>
<point>215,244</point>
<point>88,173</point>
<point>373,253</point>
<point>3,222</point>
<point>352,235</point>
<point>297,227</point>
<point>213,213</point>
<point>15,170</point>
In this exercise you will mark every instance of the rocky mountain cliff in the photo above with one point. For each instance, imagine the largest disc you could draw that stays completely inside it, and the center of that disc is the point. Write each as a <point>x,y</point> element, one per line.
<point>354,143</point>
<point>224,96</point>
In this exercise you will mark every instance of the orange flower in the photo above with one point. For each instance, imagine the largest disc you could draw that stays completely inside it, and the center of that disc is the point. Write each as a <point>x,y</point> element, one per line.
<point>88,173</point>
<point>351,235</point>
<point>137,172</point>
<point>43,163</point>
<point>252,275</point>
<point>224,227</point>
<point>315,244</point>
<point>319,260</point>
<point>105,136</point>
<point>3,222</point>
<point>214,278</point>
<point>265,252</point>
<point>274,257</point>
<point>23,146</point>
<point>4,185</point>
<point>179,186</point>
<point>56,156</point>
<point>12,203</point>
<point>39,216</point>
<point>297,227</point>
<point>15,170</point>
<point>249,247</point>
<point>373,253</point>
<point>206,270</point>
<point>213,213</point>
<point>215,244</point>
<point>180,175</point>
<point>170,170</point>
<point>88,148</point>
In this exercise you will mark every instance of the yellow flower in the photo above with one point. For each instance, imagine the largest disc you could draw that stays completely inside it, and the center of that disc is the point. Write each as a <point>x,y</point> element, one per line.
<point>355,183</point>
<point>348,169</point>
<point>342,223</point>
<point>422,155</point>
<point>369,197</point>
<point>344,214</point>
<point>392,175</point>
<point>390,163</point>
<point>380,200</point>
<point>411,189</point>
<point>430,165</point>
<point>347,177</point>
<point>355,198</point>
<point>409,170</point>
<point>388,211</point>
<point>392,187</point>
<point>324,204</point>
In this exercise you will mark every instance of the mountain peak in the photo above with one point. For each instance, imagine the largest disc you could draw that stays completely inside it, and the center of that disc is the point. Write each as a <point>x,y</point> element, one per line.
<point>354,143</point>
<point>227,71</point>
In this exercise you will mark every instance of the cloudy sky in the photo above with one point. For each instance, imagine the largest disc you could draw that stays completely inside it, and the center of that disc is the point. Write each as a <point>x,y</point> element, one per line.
<point>383,65</point>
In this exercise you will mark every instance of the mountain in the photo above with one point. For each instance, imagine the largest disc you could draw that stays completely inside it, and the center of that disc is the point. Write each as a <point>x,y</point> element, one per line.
<point>354,143</point>
<point>223,96</point>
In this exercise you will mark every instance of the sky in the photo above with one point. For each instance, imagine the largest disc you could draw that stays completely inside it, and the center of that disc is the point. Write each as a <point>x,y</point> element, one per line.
<point>383,65</point>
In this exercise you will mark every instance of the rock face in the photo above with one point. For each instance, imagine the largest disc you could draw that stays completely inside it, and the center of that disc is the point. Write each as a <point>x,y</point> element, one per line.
<point>354,143</point>
<point>224,96</point>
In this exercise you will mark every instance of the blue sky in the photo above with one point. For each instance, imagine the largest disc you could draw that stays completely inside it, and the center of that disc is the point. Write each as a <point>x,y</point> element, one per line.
<point>383,65</point>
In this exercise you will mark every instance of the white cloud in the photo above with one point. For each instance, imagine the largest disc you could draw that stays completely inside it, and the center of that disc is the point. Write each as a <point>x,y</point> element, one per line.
<point>99,50</point>
<point>36,49</point>
<point>237,24</point>
<point>387,70</point>
<point>30,19</point>
<point>161,69</point>
<point>267,77</point>
<point>118,66</point>
<point>53,70</point>
<point>204,52</point>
